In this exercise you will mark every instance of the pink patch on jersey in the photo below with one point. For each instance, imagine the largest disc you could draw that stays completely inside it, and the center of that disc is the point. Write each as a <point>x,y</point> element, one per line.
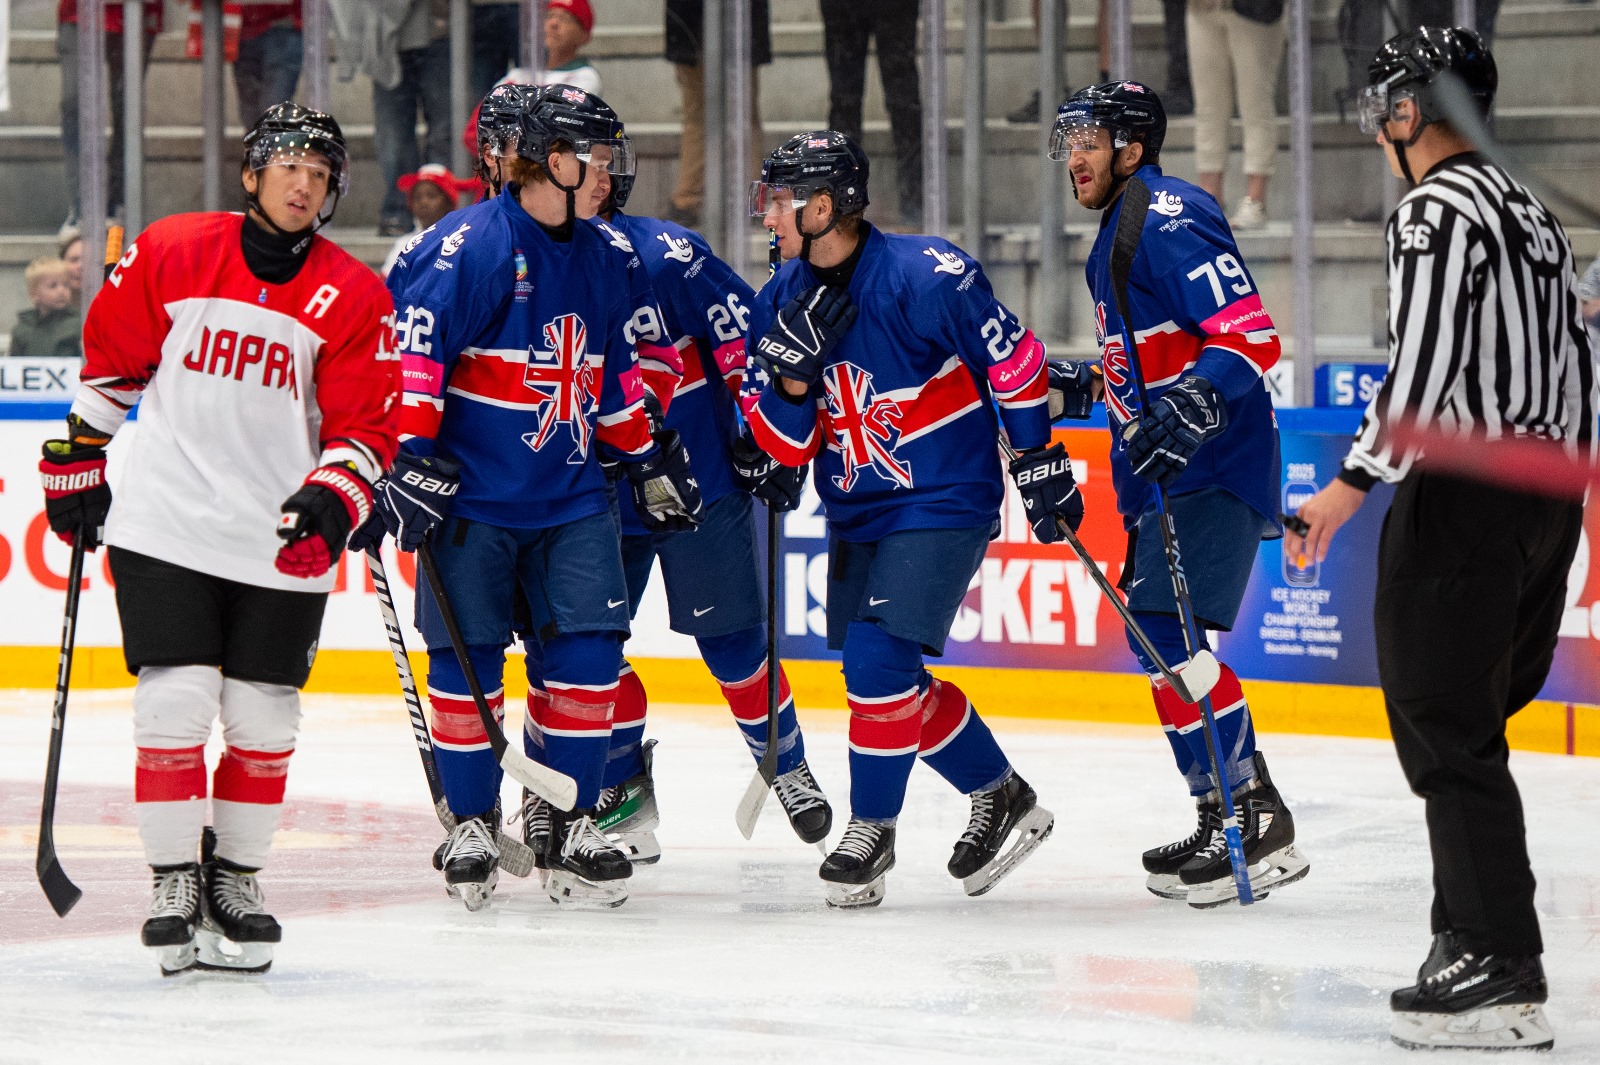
<point>422,375</point>
<point>1241,316</point>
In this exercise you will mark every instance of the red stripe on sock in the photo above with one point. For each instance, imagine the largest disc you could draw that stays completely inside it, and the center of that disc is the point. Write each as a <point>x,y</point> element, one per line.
<point>886,724</point>
<point>1179,714</point>
<point>456,720</point>
<point>538,705</point>
<point>169,774</point>
<point>748,698</point>
<point>944,707</point>
<point>632,702</point>
<point>251,776</point>
<point>581,709</point>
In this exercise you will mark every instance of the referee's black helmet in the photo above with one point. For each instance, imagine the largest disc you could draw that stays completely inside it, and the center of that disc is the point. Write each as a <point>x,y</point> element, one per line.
<point>1410,62</point>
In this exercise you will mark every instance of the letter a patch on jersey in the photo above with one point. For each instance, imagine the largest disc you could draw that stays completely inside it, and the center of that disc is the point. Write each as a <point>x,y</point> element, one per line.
<point>567,381</point>
<point>866,427</point>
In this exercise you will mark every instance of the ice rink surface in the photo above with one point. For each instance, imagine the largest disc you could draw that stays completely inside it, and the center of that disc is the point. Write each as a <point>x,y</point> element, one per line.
<point>725,952</point>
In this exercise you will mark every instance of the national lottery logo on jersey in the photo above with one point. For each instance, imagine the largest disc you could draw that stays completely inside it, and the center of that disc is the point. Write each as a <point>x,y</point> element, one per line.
<point>567,382</point>
<point>866,427</point>
<point>1114,364</point>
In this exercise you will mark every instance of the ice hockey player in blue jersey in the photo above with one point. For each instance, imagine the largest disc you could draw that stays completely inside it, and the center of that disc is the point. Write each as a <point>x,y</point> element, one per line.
<point>882,358</point>
<point>517,327</point>
<point>1203,342</point>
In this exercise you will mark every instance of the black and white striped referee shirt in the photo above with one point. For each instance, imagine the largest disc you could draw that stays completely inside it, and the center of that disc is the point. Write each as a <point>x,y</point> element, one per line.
<point>1485,334</point>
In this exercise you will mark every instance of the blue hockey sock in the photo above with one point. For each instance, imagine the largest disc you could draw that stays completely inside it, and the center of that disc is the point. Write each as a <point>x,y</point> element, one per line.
<point>883,675</point>
<point>739,662</point>
<point>581,676</point>
<point>956,743</point>
<point>625,755</point>
<point>467,766</point>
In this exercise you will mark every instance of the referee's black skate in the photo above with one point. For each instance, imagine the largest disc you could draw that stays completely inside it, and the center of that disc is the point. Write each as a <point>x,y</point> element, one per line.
<point>587,870</point>
<point>236,932</point>
<point>627,814</point>
<point>981,860</point>
<point>174,916</point>
<point>856,870</point>
<point>471,861</point>
<point>1266,828</point>
<point>1473,1001</point>
<point>806,807</point>
<point>1162,863</point>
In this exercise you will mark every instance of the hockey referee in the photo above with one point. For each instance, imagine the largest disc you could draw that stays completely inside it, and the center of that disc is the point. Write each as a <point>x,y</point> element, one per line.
<point>1485,337</point>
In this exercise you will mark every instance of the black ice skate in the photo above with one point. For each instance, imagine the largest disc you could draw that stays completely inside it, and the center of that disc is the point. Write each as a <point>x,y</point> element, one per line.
<point>516,858</point>
<point>1163,863</point>
<point>587,870</point>
<point>174,916</point>
<point>1267,831</point>
<point>236,932</point>
<point>534,813</point>
<point>1470,1001</point>
<point>807,808</point>
<point>1011,806</point>
<point>628,816</point>
<point>471,863</point>
<point>856,870</point>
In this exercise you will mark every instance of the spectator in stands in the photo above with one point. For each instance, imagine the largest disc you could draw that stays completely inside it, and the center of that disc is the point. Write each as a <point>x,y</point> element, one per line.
<point>267,69</point>
<point>683,34</point>
<point>431,193</point>
<point>67,54</point>
<point>423,45</point>
<point>70,247</point>
<point>496,42</point>
<point>847,25</point>
<point>53,326</point>
<point>1235,50</point>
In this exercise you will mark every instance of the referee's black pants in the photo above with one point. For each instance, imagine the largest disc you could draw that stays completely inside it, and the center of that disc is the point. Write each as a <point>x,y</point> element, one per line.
<point>1471,587</point>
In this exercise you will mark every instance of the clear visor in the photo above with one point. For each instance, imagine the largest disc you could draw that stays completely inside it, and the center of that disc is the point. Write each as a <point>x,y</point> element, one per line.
<point>785,198</point>
<point>501,142</point>
<point>1078,137</point>
<point>297,153</point>
<point>614,157</point>
<point>1373,108</point>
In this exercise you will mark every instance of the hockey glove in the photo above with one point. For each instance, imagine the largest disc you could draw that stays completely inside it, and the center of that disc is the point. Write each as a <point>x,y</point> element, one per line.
<point>1072,389</point>
<point>665,492</point>
<point>76,495</point>
<point>371,532</point>
<point>416,496</point>
<point>809,326</point>
<point>1161,443</point>
<point>1044,480</point>
<point>318,518</point>
<point>776,485</point>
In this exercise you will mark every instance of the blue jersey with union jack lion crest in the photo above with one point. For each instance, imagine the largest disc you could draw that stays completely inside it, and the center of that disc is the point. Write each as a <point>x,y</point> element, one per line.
<point>520,356</point>
<point>1195,309</point>
<point>902,424</point>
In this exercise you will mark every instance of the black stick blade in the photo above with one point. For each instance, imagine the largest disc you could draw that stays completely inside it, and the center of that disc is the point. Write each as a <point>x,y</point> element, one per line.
<point>62,892</point>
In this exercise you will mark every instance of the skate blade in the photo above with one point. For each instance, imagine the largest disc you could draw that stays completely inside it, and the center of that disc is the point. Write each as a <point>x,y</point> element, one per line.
<point>1034,828</point>
<point>214,952</point>
<point>1504,1027</point>
<point>176,959</point>
<point>1278,869</point>
<point>641,848</point>
<point>473,895</point>
<point>1167,886</point>
<point>573,892</point>
<point>856,896</point>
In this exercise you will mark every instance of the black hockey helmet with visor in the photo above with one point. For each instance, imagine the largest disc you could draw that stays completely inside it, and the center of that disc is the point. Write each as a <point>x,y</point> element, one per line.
<point>805,165</point>
<point>564,117</point>
<point>500,117</point>
<point>1130,111</point>
<point>288,133</point>
<point>1410,62</point>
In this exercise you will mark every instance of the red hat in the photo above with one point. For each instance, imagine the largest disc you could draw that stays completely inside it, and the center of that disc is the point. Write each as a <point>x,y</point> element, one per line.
<point>438,174</point>
<point>578,9</point>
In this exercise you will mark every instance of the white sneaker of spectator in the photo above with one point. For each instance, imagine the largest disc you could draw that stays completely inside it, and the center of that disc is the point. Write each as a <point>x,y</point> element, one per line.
<point>1250,214</point>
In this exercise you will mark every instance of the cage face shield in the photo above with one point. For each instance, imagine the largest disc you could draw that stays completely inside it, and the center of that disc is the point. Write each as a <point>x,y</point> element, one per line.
<point>785,198</point>
<point>1069,137</point>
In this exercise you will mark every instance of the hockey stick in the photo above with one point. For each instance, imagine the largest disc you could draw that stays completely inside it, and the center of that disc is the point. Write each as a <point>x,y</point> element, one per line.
<point>61,891</point>
<point>1192,681</point>
<point>755,795</point>
<point>1124,245</point>
<point>557,788</point>
<point>515,857</point>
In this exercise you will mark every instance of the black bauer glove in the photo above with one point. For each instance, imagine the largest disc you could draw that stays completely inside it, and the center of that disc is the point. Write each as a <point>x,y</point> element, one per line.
<point>318,518</point>
<point>415,497</point>
<point>1071,389</point>
<point>76,495</point>
<point>1044,480</point>
<point>755,471</point>
<point>665,492</point>
<point>809,326</point>
<point>1161,443</point>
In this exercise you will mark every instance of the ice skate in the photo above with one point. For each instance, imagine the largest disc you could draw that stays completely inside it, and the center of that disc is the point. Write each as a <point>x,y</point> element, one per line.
<point>981,860</point>
<point>1467,1001</point>
<point>471,863</point>
<point>174,916</point>
<point>806,807</point>
<point>236,932</point>
<point>1163,863</point>
<point>628,816</point>
<point>587,870</point>
<point>1267,831</point>
<point>856,870</point>
<point>534,815</point>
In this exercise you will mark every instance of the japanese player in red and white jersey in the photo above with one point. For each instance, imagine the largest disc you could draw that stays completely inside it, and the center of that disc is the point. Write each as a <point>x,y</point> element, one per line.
<point>260,357</point>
